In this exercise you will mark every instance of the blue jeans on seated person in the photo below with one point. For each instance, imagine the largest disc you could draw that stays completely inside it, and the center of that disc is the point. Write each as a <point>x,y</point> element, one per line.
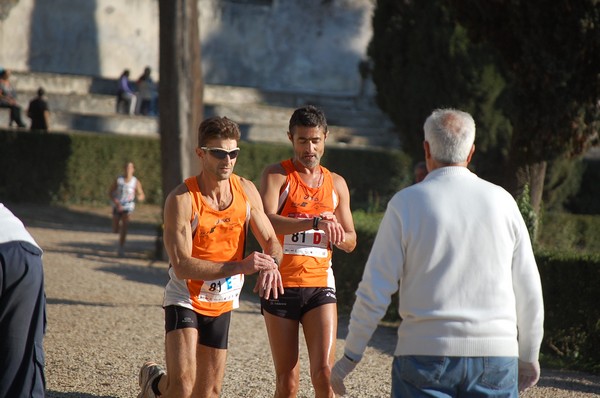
<point>417,376</point>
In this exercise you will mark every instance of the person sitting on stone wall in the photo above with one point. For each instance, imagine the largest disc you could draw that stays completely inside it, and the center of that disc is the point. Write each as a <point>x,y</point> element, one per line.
<point>147,93</point>
<point>126,98</point>
<point>8,99</point>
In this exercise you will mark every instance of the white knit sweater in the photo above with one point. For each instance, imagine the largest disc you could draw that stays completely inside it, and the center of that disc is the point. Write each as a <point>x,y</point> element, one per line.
<point>469,286</point>
<point>12,229</point>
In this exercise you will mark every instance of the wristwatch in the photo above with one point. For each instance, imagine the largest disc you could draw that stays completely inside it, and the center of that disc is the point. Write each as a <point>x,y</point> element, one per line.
<point>316,223</point>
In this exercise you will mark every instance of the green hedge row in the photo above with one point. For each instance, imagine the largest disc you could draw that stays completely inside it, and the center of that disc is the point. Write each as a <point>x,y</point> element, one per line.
<point>569,233</point>
<point>570,287</point>
<point>569,282</point>
<point>73,168</point>
<point>572,323</point>
<point>79,168</point>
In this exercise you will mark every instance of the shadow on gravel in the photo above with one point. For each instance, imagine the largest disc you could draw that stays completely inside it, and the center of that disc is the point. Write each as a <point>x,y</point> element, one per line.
<point>383,339</point>
<point>570,381</point>
<point>64,218</point>
<point>77,302</point>
<point>151,274</point>
<point>56,394</point>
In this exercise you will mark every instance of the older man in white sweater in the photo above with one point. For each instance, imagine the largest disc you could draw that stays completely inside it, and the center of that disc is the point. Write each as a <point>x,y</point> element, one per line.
<point>470,296</point>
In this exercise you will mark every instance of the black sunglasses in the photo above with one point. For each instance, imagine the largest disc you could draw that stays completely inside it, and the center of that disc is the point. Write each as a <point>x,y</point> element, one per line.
<point>221,153</point>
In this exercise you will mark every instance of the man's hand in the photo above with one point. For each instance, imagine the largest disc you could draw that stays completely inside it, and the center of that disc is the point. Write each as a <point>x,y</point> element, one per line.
<point>529,374</point>
<point>256,262</point>
<point>328,216</point>
<point>334,230</point>
<point>340,370</point>
<point>269,283</point>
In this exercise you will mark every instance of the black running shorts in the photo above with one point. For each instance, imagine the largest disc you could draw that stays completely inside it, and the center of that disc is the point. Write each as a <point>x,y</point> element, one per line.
<point>212,331</point>
<point>297,301</point>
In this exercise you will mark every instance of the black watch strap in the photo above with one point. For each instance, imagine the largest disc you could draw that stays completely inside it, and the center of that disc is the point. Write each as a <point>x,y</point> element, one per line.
<point>316,223</point>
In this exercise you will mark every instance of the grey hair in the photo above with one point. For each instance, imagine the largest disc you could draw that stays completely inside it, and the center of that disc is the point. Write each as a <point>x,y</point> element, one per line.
<point>450,134</point>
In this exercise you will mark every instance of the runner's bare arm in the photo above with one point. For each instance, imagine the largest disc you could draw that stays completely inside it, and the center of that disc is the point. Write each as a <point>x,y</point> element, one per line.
<point>269,282</point>
<point>177,237</point>
<point>260,224</point>
<point>343,214</point>
<point>140,195</point>
<point>272,180</point>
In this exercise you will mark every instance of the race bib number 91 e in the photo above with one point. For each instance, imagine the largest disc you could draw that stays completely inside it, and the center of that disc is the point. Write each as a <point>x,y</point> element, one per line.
<point>306,243</point>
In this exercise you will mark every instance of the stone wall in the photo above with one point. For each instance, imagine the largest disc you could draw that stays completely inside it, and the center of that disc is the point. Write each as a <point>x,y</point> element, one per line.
<point>287,45</point>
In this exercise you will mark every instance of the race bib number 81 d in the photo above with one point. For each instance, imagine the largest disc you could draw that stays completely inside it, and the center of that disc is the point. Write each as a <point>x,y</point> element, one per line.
<point>306,243</point>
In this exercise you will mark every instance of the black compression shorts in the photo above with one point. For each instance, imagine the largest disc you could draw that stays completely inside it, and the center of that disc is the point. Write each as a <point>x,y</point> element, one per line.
<point>297,301</point>
<point>212,331</point>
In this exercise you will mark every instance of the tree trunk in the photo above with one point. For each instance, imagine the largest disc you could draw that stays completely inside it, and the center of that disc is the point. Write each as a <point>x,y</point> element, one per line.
<point>534,175</point>
<point>180,90</point>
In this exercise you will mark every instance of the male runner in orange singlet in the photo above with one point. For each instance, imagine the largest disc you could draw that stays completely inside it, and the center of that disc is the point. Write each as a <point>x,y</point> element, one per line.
<point>206,219</point>
<point>309,207</point>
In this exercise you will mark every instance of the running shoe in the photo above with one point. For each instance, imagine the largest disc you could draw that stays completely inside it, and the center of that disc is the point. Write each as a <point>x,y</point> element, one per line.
<point>149,372</point>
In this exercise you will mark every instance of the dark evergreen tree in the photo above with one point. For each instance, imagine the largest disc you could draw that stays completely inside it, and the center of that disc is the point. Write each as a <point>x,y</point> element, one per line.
<point>423,59</point>
<point>550,53</point>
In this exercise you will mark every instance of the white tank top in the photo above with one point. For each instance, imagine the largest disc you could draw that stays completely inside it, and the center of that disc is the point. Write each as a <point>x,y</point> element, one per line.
<point>125,193</point>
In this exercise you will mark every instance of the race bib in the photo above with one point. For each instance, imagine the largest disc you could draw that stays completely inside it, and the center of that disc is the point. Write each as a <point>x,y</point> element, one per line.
<point>219,290</point>
<point>306,243</point>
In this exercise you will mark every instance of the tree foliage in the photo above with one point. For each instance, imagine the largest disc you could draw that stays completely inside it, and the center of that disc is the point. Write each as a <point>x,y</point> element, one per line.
<point>551,51</point>
<point>532,62</point>
<point>424,60</point>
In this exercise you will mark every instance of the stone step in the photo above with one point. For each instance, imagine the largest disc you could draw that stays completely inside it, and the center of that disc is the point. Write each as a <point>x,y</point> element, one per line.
<point>251,132</point>
<point>85,103</point>
<point>70,91</point>
<point>74,103</point>
<point>217,94</point>
<point>115,123</point>
<point>63,83</point>
<point>94,104</point>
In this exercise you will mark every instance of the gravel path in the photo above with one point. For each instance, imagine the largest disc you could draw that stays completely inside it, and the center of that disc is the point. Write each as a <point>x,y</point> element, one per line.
<point>105,318</point>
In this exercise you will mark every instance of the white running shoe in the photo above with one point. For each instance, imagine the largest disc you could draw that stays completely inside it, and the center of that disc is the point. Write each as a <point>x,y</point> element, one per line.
<point>149,372</point>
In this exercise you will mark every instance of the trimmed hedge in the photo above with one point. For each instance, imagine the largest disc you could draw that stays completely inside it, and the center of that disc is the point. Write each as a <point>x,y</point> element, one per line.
<point>572,323</point>
<point>73,168</point>
<point>569,233</point>
<point>570,287</point>
<point>79,168</point>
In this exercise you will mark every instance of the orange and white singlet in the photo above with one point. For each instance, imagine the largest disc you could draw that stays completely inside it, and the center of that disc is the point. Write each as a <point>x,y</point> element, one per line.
<point>217,236</point>
<point>307,254</point>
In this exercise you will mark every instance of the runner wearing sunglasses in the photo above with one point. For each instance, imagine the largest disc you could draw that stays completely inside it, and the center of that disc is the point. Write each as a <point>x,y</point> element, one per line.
<point>206,220</point>
<point>221,153</point>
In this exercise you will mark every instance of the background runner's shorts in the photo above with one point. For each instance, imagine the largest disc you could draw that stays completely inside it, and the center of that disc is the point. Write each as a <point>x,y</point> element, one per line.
<point>212,331</point>
<point>297,301</point>
<point>120,213</point>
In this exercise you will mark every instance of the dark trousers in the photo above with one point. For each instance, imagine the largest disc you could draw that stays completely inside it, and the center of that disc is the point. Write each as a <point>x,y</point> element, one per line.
<point>15,114</point>
<point>22,321</point>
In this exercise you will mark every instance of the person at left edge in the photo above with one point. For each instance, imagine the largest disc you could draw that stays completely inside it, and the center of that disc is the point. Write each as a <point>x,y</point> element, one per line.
<point>206,220</point>
<point>22,311</point>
